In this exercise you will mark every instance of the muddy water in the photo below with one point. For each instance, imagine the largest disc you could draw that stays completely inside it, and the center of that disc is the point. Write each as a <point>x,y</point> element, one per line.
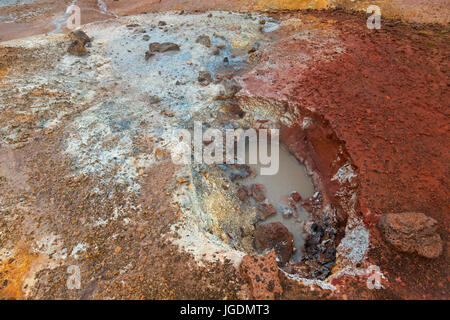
<point>291,177</point>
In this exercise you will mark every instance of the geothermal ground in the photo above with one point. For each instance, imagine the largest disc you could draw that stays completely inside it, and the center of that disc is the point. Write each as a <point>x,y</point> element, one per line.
<point>358,210</point>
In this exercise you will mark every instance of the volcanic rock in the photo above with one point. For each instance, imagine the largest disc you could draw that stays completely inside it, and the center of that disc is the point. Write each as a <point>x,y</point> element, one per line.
<point>163,47</point>
<point>77,48</point>
<point>320,248</point>
<point>80,35</point>
<point>261,273</point>
<point>265,210</point>
<point>296,196</point>
<point>204,40</point>
<point>160,47</point>
<point>411,232</point>
<point>243,193</point>
<point>275,236</point>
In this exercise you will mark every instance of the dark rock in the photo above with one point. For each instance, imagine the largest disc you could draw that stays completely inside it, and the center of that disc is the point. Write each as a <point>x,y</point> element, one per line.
<point>169,113</point>
<point>77,48</point>
<point>243,193</point>
<point>148,55</point>
<point>275,236</point>
<point>154,99</point>
<point>411,232</point>
<point>216,51</point>
<point>231,88</point>
<point>162,23</point>
<point>261,273</point>
<point>204,77</point>
<point>204,40</point>
<point>258,192</point>
<point>80,36</point>
<point>296,196</point>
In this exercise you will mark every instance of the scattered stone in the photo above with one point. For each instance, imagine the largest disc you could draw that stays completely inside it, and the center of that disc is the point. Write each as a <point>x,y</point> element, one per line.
<point>140,30</point>
<point>216,51</point>
<point>146,37</point>
<point>243,193</point>
<point>411,232</point>
<point>169,113</point>
<point>160,47</point>
<point>320,249</point>
<point>258,192</point>
<point>204,40</point>
<point>261,273</point>
<point>204,78</point>
<point>296,196</point>
<point>307,205</point>
<point>276,236</point>
<point>287,213</point>
<point>163,47</point>
<point>265,210</point>
<point>162,23</point>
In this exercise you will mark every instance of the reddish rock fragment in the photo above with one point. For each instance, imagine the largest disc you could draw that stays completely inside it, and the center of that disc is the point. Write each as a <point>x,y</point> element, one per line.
<point>204,78</point>
<point>258,192</point>
<point>275,236</point>
<point>261,273</point>
<point>411,232</point>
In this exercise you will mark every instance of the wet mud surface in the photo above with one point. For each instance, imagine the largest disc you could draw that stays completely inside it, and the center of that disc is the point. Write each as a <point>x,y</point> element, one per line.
<point>86,177</point>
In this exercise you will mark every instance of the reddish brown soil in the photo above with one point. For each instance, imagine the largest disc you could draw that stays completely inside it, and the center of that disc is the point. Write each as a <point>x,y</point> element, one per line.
<point>387,99</point>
